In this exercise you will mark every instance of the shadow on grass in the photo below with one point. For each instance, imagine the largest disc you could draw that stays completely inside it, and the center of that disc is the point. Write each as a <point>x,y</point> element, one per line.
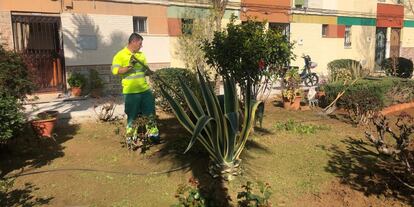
<point>29,151</point>
<point>360,167</point>
<point>22,197</point>
<point>176,140</point>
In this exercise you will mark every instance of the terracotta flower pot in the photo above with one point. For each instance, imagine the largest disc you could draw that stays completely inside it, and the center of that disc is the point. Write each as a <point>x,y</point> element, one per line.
<point>44,128</point>
<point>45,124</point>
<point>295,105</point>
<point>76,91</point>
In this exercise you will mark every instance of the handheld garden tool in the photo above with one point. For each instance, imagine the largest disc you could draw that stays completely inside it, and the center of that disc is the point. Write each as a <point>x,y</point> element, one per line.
<point>332,106</point>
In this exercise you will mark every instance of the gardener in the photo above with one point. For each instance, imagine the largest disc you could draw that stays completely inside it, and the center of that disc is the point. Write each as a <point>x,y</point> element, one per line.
<point>129,63</point>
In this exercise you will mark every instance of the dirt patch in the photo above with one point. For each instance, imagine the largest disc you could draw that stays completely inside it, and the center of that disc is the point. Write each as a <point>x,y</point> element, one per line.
<point>337,194</point>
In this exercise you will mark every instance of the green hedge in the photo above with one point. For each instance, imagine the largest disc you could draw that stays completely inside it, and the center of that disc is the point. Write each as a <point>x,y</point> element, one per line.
<point>344,69</point>
<point>172,76</point>
<point>372,94</point>
<point>404,67</point>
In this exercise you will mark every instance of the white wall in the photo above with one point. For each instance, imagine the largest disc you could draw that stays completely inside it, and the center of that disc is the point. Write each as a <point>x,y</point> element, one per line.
<point>111,33</point>
<point>324,50</point>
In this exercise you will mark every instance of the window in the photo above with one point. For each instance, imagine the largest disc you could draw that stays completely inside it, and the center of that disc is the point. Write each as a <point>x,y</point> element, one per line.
<point>324,30</point>
<point>187,26</point>
<point>347,38</point>
<point>140,24</point>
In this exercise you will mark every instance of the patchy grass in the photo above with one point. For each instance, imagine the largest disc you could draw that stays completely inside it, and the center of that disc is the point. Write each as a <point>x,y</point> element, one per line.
<point>87,165</point>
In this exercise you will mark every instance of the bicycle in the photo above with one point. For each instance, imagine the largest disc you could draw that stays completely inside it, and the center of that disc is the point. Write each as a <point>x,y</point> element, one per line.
<point>309,78</point>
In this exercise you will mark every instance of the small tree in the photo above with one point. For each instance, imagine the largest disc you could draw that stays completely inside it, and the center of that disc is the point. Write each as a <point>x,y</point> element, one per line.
<point>248,52</point>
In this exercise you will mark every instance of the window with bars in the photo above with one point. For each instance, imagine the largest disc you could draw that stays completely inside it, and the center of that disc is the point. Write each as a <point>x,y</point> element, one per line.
<point>347,38</point>
<point>187,26</point>
<point>140,24</point>
<point>324,30</point>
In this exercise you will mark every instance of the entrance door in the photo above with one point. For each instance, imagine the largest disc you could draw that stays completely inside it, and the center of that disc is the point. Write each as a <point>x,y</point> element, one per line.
<point>37,38</point>
<point>380,46</point>
<point>395,42</point>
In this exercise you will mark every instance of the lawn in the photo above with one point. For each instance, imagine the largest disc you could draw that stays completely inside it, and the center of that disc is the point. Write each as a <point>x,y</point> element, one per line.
<point>330,165</point>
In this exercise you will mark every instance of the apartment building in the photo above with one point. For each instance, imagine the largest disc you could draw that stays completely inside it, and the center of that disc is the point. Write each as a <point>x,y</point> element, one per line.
<point>58,37</point>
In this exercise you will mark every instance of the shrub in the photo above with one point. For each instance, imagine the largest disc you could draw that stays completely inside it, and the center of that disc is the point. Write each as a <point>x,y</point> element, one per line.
<point>14,76</point>
<point>76,80</point>
<point>172,76</point>
<point>367,96</point>
<point>399,67</point>
<point>344,69</point>
<point>11,117</point>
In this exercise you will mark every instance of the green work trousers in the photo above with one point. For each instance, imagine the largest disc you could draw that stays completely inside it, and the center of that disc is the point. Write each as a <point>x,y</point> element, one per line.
<point>139,104</point>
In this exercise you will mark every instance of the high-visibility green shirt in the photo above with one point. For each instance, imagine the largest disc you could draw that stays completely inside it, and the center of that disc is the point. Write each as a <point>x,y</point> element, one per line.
<point>134,81</point>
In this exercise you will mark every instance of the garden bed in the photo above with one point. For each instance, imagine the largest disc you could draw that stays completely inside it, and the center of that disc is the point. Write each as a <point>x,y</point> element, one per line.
<point>87,166</point>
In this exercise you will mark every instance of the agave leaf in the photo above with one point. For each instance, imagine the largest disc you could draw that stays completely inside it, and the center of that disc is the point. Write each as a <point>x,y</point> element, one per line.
<point>231,103</point>
<point>179,112</point>
<point>247,126</point>
<point>188,124</point>
<point>213,109</point>
<point>233,131</point>
<point>201,124</point>
<point>192,101</point>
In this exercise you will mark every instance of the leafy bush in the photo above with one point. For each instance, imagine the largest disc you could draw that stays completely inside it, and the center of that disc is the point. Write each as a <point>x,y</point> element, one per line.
<point>11,117</point>
<point>14,76</point>
<point>253,196</point>
<point>399,67</point>
<point>172,76</point>
<point>344,69</point>
<point>76,80</point>
<point>367,96</point>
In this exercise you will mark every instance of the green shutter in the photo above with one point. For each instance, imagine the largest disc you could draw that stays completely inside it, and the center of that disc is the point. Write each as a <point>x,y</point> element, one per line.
<point>299,2</point>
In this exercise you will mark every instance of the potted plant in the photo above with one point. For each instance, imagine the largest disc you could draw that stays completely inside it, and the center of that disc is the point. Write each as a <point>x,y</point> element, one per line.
<point>96,84</point>
<point>44,123</point>
<point>76,81</point>
<point>292,94</point>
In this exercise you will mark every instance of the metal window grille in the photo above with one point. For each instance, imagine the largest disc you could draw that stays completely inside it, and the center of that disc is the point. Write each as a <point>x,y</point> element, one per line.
<point>347,39</point>
<point>324,30</point>
<point>140,24</point>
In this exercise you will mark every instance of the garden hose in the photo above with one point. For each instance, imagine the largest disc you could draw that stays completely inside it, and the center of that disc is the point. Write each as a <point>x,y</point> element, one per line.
<point>155,76</point>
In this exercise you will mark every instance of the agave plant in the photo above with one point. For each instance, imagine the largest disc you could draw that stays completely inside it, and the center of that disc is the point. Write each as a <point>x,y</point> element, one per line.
<point>220,126</point>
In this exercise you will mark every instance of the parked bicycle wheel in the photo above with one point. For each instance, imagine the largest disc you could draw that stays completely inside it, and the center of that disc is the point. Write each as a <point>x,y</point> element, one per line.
<point>311,80</point>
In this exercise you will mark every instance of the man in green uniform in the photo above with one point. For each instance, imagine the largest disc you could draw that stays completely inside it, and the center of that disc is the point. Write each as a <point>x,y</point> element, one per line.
<point>139,100</point>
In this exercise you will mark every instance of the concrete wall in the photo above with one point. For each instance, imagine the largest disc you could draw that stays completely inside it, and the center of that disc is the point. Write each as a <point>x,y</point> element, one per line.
<point>309,41</point>
<point>111,33</point>
<point>6,33</point>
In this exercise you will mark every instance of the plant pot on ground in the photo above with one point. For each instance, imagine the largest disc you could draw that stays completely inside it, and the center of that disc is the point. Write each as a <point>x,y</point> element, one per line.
<point>292,94</point>
<point>44,123</point>
<point>76,81</point>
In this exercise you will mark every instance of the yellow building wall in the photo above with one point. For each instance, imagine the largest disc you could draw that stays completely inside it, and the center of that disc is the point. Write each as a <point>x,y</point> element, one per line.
<point>407,37</point>
<point>366,8</point>
<point>308,40</point>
